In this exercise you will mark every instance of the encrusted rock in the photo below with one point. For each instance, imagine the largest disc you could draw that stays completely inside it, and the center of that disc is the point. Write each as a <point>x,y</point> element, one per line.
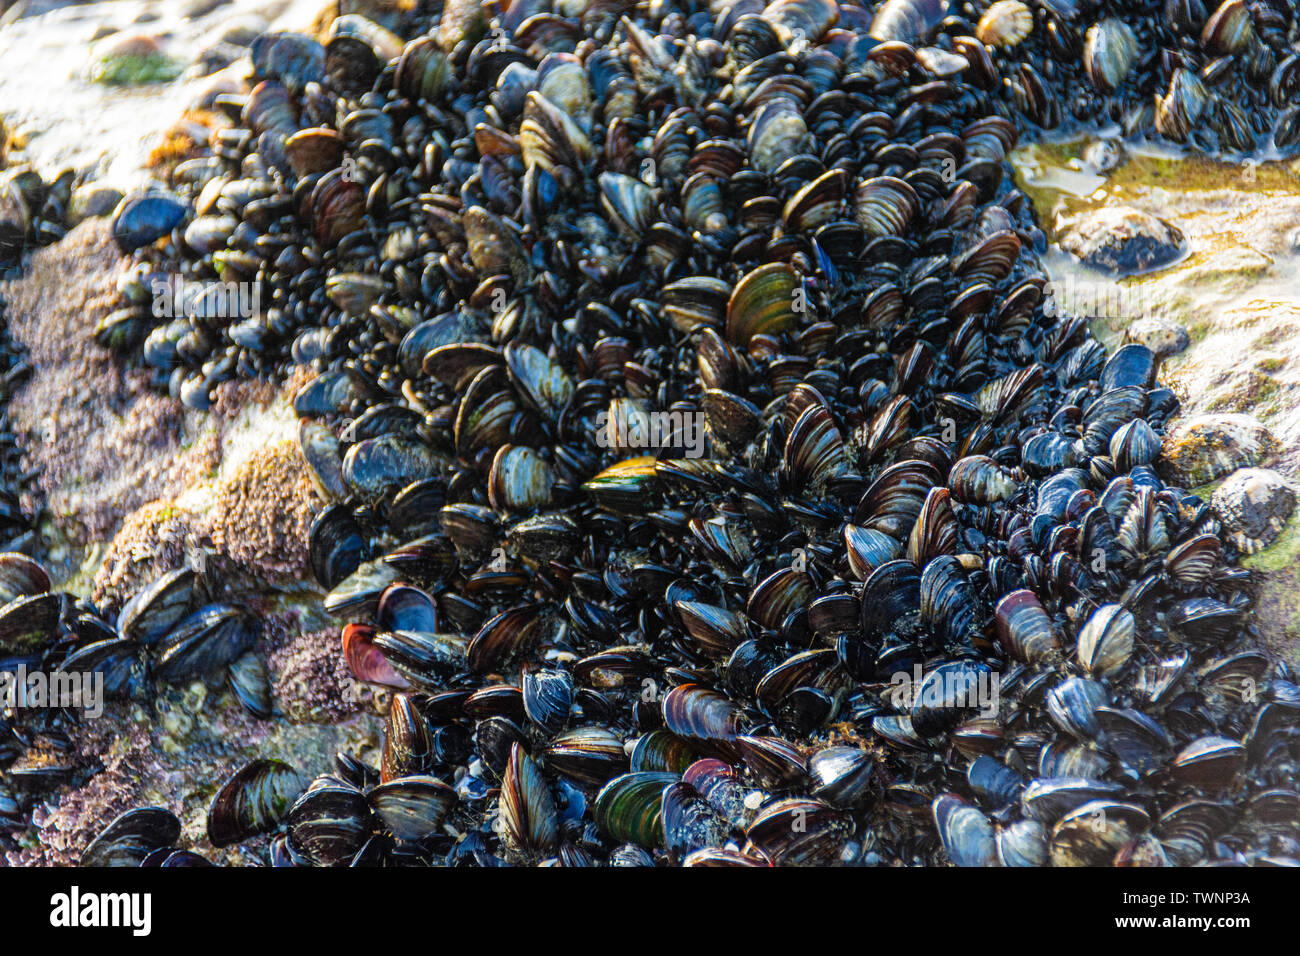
<point>1207,447</point>
<point>1161,336</point>
<point>1122,240</point>
<point>1254,505</point>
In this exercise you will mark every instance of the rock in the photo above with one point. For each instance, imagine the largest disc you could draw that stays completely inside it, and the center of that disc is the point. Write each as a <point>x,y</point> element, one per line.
<point>1104,155</point>
<point>1207,447</point>
<point>90,200</point>
<point>131,59</point>
<point>1161,336</point>
<point>1254,505</point>
<point>193,9</point>
<point>1121,240</point>
<point>242,30</point>
<point>213,58</point>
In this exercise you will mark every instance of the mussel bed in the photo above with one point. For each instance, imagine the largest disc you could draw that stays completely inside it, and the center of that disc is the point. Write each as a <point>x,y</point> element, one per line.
<point>924,596</point>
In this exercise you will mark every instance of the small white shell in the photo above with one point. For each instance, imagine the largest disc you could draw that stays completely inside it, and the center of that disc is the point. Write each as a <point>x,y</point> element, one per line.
<point>1005,24</point>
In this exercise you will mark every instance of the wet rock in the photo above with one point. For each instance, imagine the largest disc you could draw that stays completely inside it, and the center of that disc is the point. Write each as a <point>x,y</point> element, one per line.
<point>1161,336</point>
<point>1207,447</point>
<point>131,59</point>
<point>1254,505</point>
<point>1121,240</point>
<point>1104,155</point>
<point>213,58</point>
<point>92,199</point>
<point>193,9</point>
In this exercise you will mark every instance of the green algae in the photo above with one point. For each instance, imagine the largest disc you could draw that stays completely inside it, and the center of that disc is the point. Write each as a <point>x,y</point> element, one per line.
<point>1282,553</point>
<point>135,69</point>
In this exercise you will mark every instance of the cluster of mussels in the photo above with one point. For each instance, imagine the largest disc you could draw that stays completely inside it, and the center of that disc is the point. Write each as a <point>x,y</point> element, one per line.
<point>923,597</point>
<point>62,657</point>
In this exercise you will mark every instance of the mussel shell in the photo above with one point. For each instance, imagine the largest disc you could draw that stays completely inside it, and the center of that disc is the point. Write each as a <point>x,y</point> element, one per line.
<point>254,800</point>
<point>528,813</point>
<point>628,809</point>
<point>330,823</point>
<point>131,837</point>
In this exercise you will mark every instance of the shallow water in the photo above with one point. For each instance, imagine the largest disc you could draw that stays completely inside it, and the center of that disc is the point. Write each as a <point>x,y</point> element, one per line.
<point>1236,290</point>
<point>48,98</point>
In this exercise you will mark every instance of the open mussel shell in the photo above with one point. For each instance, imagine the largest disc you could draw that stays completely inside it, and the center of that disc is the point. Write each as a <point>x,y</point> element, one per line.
<point>29,623</point>
<point>366,661</point>
<point>330,822</point>
<point>210,639</point>
<point>629,808</point>
<point>155,609</point>
<point>132,837</point>
<point>21,576</point>
<point>255,800</point>
<point>1210,762</point>
<point>1092,834</point>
